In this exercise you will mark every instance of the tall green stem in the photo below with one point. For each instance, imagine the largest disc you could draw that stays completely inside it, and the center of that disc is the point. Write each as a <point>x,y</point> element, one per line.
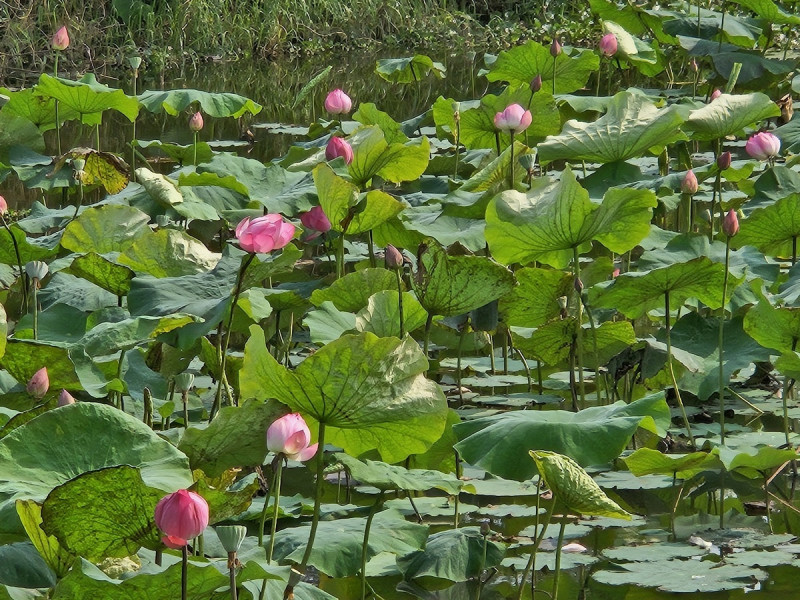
<point>400,302</point>
<point>576,266</point>
<point>539,537</point>
<point>721,334</point>
<point>367,527</point>
<point>672,373</point>
<point>232,574</point>
<point>511,165</point>
<point>184,569</point>
<point>276,488</point>
<point>19,261</point>
<point>195,149</point>
<point>35,309</point>
<point>317,499</point>
<point>340,256</point>
<point>58,123</point>
<point>428,322</point>
<point>558,556</point>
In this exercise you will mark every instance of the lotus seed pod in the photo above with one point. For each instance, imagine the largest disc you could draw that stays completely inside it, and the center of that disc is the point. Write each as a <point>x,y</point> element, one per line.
<point>231,536</point>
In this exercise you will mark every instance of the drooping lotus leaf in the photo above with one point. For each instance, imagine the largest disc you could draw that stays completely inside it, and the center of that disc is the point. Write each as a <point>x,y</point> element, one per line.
<point>159,187</point>
<point>327,323</point>
<point>18,131</point>
<point>637,19</point>
<point>755,463</point>
<point>454,554</point>
<point>373,155</point>
<point>370,392</point>
<point>107,228</point>
<point>99,168</point>
<point>773,229</point>
<point>352,292</point>
<point>593,436</point>
<point>214,104</point>
<point>103,513</point>
<point>640,54</point>
<point>58,558</point>
<point>337,547</point>
<point>773,327</point>
<point>87,97</point>
<point>448,284</point>
<point>630,128</point>
<point>729,115</point>
<point>28,251</point>
<point>646,461</point>
<point>103,273</point>
<point>555,217</point>
<point>410,69</point>
<point>395,477</point>
<point>381,315</point>
<point>168,253</point>
<point>574,487</point>
<point>110,337</point>
<point>368,114</point>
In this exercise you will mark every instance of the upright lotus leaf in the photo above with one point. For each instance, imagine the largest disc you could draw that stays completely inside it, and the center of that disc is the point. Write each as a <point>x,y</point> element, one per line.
<point>522,63</point>
<point>574,487</point>
<point>103,273</point>
<point>337,197</point>
<point>87,581</point>
<point>327,323</point>
<point>773,327</point>
<point>394,477</point>
<point>368,114</point>
<point>38,110</point>
<point>27,250</point>
<point>729,115</point>
<point>24,357</point>
<point>107,228</point>
<point>773,229</point>
<point>338,545</point>
<point>379,207</point>
<point>381,315</point>
<point>371,393</point>
<point>637,19</point>
<point>352,292</point>
<point>373,155</point>
<point>596,435</point>
<point>87,97</point>
<point>534,301</point>
<point>168,253</point>
<point>408,70</point>
<point>104,513</point>
<point>755,463</point>
<point>630,128</point>
<point>159,187</point>
<point>58,558</point>
<point>640,54</point>
<point>235,438</point>
<point>555,217</point>
<point>449,283</point>
<point>646,461</point>
<point>769,11</point>
<point>213,104</point>
<point>455,555</point>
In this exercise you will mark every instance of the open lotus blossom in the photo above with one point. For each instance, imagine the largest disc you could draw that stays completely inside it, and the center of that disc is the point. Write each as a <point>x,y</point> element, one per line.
<point>196,122</point>
<point>608,44</point>
<point>3,206</point>
<point>291,437</point>
<point>763,145</point>
<point>730,224</point>
<point>338,103</point>
<point>65,398</point>
<point>60,39</point>
<point>316,221</point>
<point>689,184</point>
<point>39,383</point>
<point>264,234</point>
<point>339,147</point>
<point>182,515</point>
<point>513,119</point>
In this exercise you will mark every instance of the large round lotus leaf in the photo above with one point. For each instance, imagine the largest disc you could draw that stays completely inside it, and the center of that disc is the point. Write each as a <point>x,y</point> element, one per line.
<point>215,104</point>
<point>108,228</point>
<point>87,97</point>
<point>728,115</point>
<point>66,442</point>
<point>373,155</point>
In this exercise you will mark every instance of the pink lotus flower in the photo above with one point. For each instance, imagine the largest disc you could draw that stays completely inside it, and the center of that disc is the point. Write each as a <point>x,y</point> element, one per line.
<point>513,119</point>
<point>316,220</point>
<point>608,44</point>
<point>65,398</point>
<point>715,94</point>
<point>291,437</point>
<point>730,224</point>
<point>60,39</point>
<point>264,234</point>
<point>393,258</point>
<point>555,48</point>
<point>196,122</point>
<point>182,515</point>
<point>689,184</point>
<point>3,206</point>
<point>339,147</point>
<point>39,383</point>
<point>763,145</point>
<point>338,103</point>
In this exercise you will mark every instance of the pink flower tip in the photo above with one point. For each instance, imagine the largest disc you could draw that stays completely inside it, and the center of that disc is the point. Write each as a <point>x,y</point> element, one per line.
<point>730,224</point>
<point>689,184</point>
<point>65,398</point>
<point>290,436</point>
<point>60,39</point>
<point>316,220</point>
<point>196,122</point>
<point>715,94</point>
<point>763,145</point>
<point>339,148</point>
<point>338,103</point>
<point>555,48</point>
<point>182,515</point>
<point>264,234</point>
<point>3,206</point>
<point>608,44</point>
<point>39,383</point>
<point>514,119</point>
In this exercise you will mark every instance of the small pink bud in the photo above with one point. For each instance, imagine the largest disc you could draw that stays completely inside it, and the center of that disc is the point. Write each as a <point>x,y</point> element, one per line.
<point>196,122</point>
<point>615,273</point>
<point>730,224</point>
<point>182,515</point>
<point>65,398</point>
<point>689,184</point>
<point>536,84</point>
<point>555,48</point>
<point>291,437</point>
<point>724,161</point>
<point>715,94</point>
<point>339,147</point>
<point>608,45</point>
<point>338,103</point>
<point>514,119</point>
<point>39,383</point>
<point>3,206</point>
<point>60,39</point>
<point>763,145</point>
<point>393,258</point>
<point>316,220</point>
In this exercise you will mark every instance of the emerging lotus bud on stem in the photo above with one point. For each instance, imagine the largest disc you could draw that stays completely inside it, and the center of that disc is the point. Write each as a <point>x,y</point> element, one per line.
<point>39,383</point>
<point>182,515</point>
<point>36,270</point>
<point>196,122</point>
<point>338,103</point>
<point>715,94</point>
<point>60,39</point>
<point>763,145</point>
<point>608,45</point>
<point>485,529</point>
<point>730,224</point>
<point>339,148</point>
<point>578,285</point>
<point>3,206</point>
<point>689,184</point>
<point>536,84</point>
<point>693,65</point>
<point>555,48</point>
<point>724,161</point>
<point>65,398</point>
<point>615,273</point>
<point>393,258</point>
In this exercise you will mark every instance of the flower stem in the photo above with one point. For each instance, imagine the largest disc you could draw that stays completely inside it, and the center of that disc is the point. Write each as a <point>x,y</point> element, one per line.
<point>511,165</point>
<point>35,310</point>
<point>232,573</point>
<point>195,149</point>
<point>19,261</point>
<point>721,334</point>
<point>58,124</point>
<point>672,374</point>
<point>579,331</point>
<point>184,569</point>
<point>558,555</point>
<point>538,540</point>
<point>275,512</point>
<point>367,527</point>
<point>317,498</point>
<point>400,302</point>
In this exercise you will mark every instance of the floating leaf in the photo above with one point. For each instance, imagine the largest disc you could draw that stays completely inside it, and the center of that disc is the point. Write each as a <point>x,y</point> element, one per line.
<point>646,461</point>
<point>408,70</point>
<point>392,477</point>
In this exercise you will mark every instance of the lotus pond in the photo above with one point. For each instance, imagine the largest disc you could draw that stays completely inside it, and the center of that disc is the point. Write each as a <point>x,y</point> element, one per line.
<point>534,337</point>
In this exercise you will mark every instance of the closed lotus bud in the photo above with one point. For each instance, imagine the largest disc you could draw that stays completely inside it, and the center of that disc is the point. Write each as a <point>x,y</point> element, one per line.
<point>608,45</point>
<point>715,94</point>
<point>3,206</point>
<point>536,84</point>
<point>39,383</point>
<point>555,48</point>
<point>36,270</point>
<point>689,184</point>
<point>231,536</point>
<point>393,258</point>
<point>65,398</point>
<point>485,529</point>
<point>724,161</point>
<point>338,103</point>
<point>316,220</point>
<point>615,273</point>
<point>182,515</point>
<point>60,39</point>
<point>339,148</point>
<point>196,122</point>
<point>763,145</point>
<point>135,62</point>
<point>730,224</point>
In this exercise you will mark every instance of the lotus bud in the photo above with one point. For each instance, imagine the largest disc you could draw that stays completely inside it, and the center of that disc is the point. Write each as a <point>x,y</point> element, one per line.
<point>689,184</point>
<point>182,515</point>
<point>264,234</point>
<point>39,383</point>
<point>60,39</point>
<point>339,148</point>
<point>578,285</point>
<point>135,62</point>
<point>693,65</point>
<point>730,224</point>
<point>536,84</point>
<point>3,206</point>
<point>393,258</point>
<point>485,528</point>
<point>608,45</point>
<point>715,94</point>
<point>196,122</point>
<point>231,536</point>
<point>36,270</point>
<point>763,145</point>
<point>291,437</point>
<point>615,273</point>
<point>338,103</point>
<point>724,161</point>
<point>316,220</point>
<point>555,48</point>
<point>65,398</point>
<point>456,111</point>
<point>184,382</point>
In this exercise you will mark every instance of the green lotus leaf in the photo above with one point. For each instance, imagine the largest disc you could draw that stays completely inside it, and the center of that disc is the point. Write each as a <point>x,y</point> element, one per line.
<point>337,196</point>
<point>168,253</point>
<point>645,57</point>
<point>183,155</point>
<point>327,323</point>
<point>54,554</point>
<point>226,498</point>
<point>500,443</point>
<point>392,477</point>
<point>630,128</point>
<point>755,463</point>
<point>110,337</point>
<point>535,300</point>
<point>24,357</point>
<point>108,228</point>
<point>408,70</point>
<point>214,104</point>
<point>729,115</point>
<point>370,392</point>
<point>769,11</point>
<point>39,110</point>
<point>368,114</point>
<point>87,97</point>
<point>430,220</point>
<point>373,155</point>
<point>773,327</point>
<point>379,207</point>
<point>103,273</point>
<point>636,19</point>
<point>21,566</point>
<point>646,461</point>
<point>18,131</point>
<point>352,292</point>
<point>159,187</point>
<point>773,229</point>
<point>381,315</point>
<point>28,250</point>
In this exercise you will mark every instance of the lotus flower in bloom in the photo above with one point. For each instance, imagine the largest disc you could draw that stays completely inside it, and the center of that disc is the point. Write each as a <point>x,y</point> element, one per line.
<point>339,147</point>
<point>730,224</point>
<point>196,122</point>
<point>3,206</point>
<point>608,44</point>
<point>290,436</point>
<point>763,145</point>
<point>689,184</point>
<point>316,221</point>
<point>60,39</point>
<point>338,103</point>
<point>39,383</point>
<point>65,398</point>
<point>182,515</point>
<point>264,234</point>
<point>513,119</point>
